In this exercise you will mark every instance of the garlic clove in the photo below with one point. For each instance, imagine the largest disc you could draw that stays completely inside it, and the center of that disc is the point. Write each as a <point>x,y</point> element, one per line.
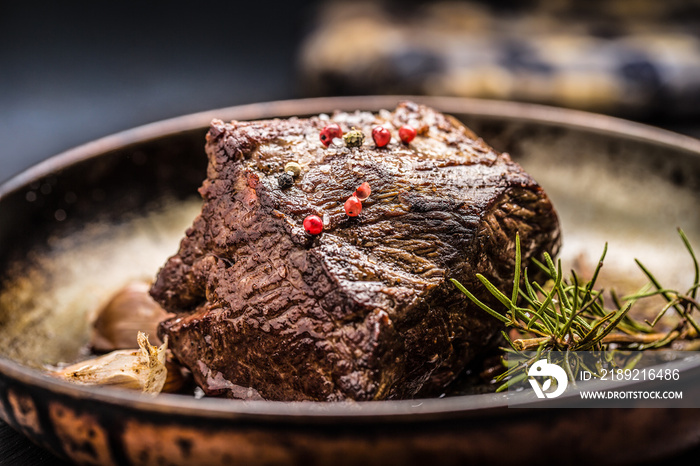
<point>128,311</point>
<point>178,377</point>
<point>142,369</point>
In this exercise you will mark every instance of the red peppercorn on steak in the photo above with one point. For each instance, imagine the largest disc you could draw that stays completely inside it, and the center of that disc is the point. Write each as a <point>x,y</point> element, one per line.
<point>362,308</point>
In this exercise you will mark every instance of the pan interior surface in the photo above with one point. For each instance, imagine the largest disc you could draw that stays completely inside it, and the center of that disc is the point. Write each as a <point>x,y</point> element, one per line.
<point>49,302</point>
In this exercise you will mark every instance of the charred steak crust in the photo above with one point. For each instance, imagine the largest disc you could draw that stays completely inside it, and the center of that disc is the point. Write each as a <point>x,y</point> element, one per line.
<point>363,311</point>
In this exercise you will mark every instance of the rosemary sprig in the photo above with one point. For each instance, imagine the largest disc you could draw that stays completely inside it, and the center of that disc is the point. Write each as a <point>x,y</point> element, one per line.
<point>564,313</point>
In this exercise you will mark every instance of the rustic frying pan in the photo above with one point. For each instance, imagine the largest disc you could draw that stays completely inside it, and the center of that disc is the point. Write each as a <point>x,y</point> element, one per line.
<point>76,227</point>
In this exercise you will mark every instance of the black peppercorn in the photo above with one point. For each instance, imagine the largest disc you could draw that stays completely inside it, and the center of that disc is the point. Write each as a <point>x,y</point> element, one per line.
<point>285,180</point>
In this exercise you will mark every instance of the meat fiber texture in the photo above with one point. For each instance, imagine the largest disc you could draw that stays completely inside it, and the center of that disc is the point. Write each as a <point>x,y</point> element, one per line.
<point>364,310</point>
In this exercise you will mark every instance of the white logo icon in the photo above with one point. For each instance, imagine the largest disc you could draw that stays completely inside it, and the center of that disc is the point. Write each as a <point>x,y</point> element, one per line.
<point>544,369</point>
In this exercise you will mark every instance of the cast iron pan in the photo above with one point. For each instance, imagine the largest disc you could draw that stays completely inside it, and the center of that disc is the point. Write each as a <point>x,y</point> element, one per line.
<point>79,225</point>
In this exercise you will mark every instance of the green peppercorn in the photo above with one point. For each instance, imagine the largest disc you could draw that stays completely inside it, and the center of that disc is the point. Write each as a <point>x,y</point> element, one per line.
<point>354,138</point>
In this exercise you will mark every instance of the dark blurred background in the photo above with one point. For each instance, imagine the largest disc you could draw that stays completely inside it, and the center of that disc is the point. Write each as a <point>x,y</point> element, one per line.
<point>74,71</point>
<point>71,72</point>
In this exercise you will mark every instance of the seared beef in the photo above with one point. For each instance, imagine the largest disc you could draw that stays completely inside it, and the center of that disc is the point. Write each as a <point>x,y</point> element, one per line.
<point>364,310</point>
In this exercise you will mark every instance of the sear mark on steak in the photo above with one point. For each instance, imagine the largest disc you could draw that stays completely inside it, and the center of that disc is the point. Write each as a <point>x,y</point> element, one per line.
<point>364,310</point>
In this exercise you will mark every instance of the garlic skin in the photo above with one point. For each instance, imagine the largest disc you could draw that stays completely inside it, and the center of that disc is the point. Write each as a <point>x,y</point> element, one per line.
<point>128,311</point>
<point>143,369</point>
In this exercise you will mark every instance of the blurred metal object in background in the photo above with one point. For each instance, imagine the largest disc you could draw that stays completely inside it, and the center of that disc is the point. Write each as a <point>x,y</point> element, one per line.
<point>637,58</point>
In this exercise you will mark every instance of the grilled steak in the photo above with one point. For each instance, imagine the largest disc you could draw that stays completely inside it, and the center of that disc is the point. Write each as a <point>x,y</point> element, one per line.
<point>363,310</point>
